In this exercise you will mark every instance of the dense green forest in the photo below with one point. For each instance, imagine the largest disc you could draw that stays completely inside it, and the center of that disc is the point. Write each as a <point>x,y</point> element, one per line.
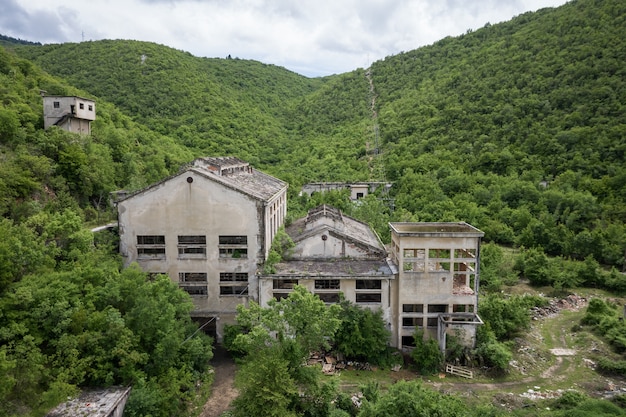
<point>518,128</point>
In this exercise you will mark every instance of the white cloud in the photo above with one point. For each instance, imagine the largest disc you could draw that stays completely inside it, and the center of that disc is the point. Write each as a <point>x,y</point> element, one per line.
<point>312,37</point>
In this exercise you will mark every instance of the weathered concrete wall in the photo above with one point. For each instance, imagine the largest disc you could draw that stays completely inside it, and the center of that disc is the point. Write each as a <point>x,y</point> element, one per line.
<point>200,207</point>
<point>66,105</point>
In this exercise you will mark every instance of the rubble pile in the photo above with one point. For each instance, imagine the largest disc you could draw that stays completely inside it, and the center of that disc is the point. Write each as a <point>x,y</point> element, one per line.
<point>572,302</point>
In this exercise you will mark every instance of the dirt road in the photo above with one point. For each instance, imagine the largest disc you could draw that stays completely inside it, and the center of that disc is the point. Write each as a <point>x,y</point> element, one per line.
<point>223,391</point>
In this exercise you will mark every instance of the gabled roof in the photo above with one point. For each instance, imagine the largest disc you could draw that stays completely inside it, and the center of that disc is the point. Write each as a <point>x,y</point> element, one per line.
<point>230,172</point>
<point>329,219</point>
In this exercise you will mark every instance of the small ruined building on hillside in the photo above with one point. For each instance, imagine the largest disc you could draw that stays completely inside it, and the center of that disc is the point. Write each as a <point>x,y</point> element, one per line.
<point>358,190</point>
<point>210,228</point>
<point>73,114</point>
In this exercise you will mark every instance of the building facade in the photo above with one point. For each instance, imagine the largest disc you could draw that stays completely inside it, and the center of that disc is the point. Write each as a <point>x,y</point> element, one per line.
<point>438,280</point>
<point>73,114</point>
<point>334,254</point>
<point>209,228</point>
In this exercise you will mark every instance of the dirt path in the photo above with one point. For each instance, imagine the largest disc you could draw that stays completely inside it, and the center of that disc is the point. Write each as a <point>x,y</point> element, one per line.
<point>223,391</point>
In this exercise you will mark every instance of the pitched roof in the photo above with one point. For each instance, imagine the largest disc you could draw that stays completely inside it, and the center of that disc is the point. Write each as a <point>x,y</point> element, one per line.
<point>327,218</point>
<point>231,172</point>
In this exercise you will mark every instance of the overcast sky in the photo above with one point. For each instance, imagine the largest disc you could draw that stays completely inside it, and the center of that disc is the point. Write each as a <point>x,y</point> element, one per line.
<point>310,37</point>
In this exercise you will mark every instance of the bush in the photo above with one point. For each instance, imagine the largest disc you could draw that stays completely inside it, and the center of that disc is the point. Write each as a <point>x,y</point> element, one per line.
<point>426,355</point>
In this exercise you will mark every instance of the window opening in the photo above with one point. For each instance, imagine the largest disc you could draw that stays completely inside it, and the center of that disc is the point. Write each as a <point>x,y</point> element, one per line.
<point>327,284</point>
<point>328,297</point>
<point>437,308</point>
<point>412,321</point>
<point>285,284</point>
<point>368,284</point>
<point>151,247</point>
<point>192,246</point>
<point>412,308</point>
<point>367,297</point>
<point>233,246</point>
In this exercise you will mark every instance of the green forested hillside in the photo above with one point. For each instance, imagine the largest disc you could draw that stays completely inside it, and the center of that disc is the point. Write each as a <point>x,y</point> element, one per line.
<point>518,128</point>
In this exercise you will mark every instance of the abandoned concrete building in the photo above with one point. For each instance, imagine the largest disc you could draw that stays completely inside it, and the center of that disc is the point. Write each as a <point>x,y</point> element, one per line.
<point>334,254</point>
<point>210,228</point>
<point>358,190</point>
<point>73,114</point>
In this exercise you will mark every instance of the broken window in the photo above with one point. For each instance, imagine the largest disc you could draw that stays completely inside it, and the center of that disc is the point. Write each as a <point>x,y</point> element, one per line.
<point>90,107</point>
<point>439,253</point>
<point>233,277</point>
<point>368,297</point>
<point>192,277</point>
<point>56,104</point>
<point>437,308</point>
<point>193,282</point>
<point>432,322</point>
<point>194,289</point>
<point>233,246</point>
<point>231,283</point>
<point>412,308</point>
<point>236,290</point>
<point>151,247</point>
<point>359,196</point>
<point>414,253</point>
<point>408,341</point>
<point>368,284</point>
<point>329,297</point>
<point>465,253</point>
<point>285,284</point>
<point>412,321</point>
<point>463,308</point>
<point>81,106</point>
<point>327,284</point>
<point>193,246</point>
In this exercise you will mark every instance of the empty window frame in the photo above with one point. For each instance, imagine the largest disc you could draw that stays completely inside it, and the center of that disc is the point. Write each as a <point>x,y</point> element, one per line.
<point>81,106</point>
<point>329,297</point>
<point>56,104</point>
<point>233,277</point>
<point>465,253</point>
<point>192,246</point>
<point>150,247</point>
<point>192,277</point>
<point>284,284</point>
<point>412,308</point>
<point>368,284</point>
<point>327,284</point>
<point>408,341</point>
<point>234,290</point>
<point>194,289</point>
<point>233,246</point>
<point>463,308</point>
<point>367,297</point>
<point>412,322</point>
<point>432,322</point>
<point>439,253</point>
<point>437,308</point>
<point>414,253</point>
<point>90,107</point>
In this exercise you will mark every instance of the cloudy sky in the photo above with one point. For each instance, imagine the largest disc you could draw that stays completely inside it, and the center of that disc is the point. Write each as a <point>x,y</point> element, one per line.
<point>310,37</point>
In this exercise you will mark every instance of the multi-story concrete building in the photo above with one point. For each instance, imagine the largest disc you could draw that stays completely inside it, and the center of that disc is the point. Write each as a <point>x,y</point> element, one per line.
<point>73,114</point>
<point>209,228</point>
<point>438,280</point>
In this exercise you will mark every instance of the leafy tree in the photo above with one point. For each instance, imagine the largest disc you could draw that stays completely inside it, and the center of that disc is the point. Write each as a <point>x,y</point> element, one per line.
<point>362,335</point>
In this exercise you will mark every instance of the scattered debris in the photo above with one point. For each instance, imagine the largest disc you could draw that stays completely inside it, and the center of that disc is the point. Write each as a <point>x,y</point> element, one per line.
<point>572,302</point>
